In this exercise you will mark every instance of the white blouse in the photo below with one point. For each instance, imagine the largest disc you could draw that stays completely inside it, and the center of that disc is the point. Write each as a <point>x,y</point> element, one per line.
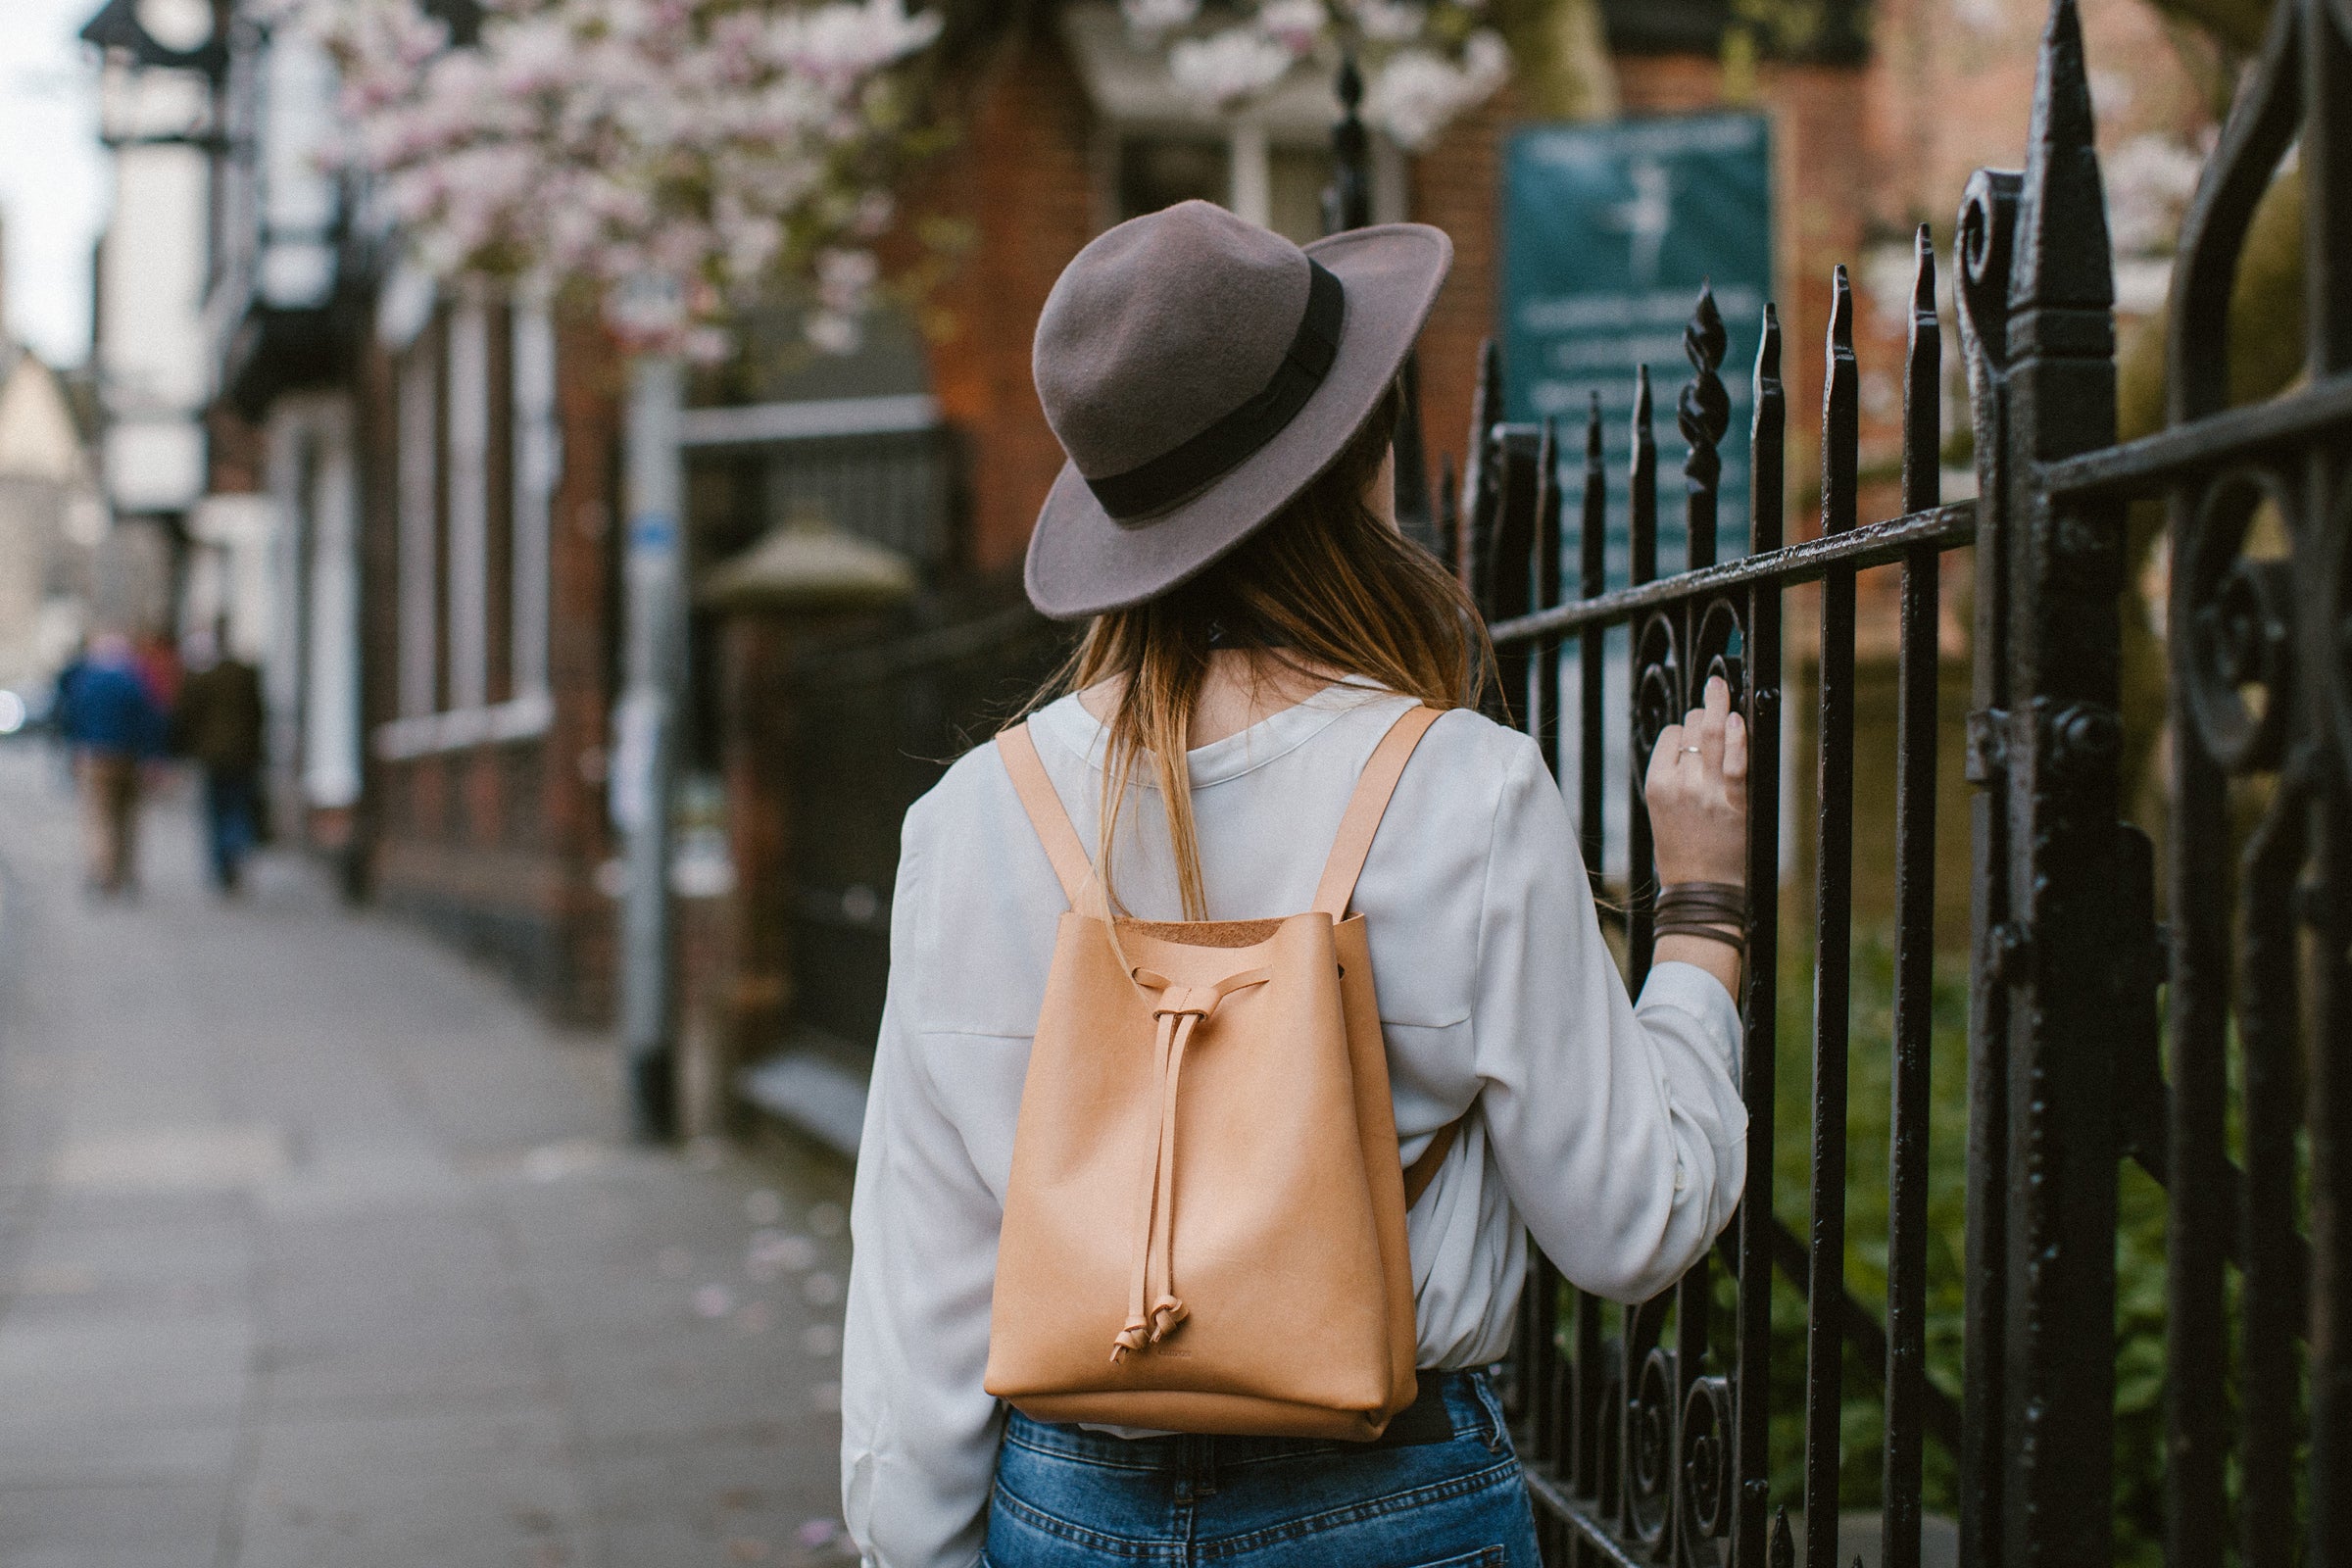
<point>1613,1132</point>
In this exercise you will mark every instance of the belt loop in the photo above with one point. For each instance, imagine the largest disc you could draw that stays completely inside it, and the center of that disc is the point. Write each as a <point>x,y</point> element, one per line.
<point>1497,1433</point>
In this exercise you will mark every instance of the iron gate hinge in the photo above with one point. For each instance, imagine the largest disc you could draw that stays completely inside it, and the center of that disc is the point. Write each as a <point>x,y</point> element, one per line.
<point>1988,745</point>
<point>2011,944</point>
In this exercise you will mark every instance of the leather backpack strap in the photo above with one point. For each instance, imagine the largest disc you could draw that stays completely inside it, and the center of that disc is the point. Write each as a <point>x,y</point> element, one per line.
<point>1052,824</point>
<point>1365,809</point>
<point>1421,1172</point>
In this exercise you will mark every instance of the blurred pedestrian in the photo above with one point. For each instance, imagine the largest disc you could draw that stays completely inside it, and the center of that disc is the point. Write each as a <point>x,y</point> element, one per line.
<point>68,673</point>
<point>220,729</point>
<point>61,701</point>
<point>112,721</point>
<point>158,669</point>
<point>218,726</point>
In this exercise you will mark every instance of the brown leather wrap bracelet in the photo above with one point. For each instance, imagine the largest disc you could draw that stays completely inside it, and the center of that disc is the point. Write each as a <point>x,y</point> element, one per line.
<point>1705,909</point>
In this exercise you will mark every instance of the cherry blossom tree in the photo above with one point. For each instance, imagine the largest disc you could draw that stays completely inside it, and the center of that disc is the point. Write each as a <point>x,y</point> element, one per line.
<point>685,154</point>
<point>1424,64</point>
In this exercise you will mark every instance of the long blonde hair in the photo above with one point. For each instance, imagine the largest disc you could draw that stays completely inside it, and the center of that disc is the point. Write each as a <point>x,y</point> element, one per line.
<point>1324,586</point>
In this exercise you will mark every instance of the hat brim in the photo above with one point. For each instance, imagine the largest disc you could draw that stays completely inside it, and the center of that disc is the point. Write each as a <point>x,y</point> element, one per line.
<point>1082,561</point>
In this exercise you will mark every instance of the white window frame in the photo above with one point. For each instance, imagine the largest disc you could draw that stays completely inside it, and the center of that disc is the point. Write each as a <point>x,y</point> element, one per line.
<point>331,763</point>
<point>313,660</point>
<point>538,460</point>
<point>469,458</point>
<point>1133,95</point>
<point>537,465</point>
<point>418,459</point>
<point>1249,147</point>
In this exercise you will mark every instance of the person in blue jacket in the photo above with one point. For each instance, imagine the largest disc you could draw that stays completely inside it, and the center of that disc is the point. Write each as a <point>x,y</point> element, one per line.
<point>107,715</point>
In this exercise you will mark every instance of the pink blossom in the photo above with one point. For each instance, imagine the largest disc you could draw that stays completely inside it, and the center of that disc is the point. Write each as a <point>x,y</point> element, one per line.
<point>707,345</point>
<point>845,279</point>
<point>1417,92</point>
<point>842,42</point>
<point>1295,24</point>
<point>833,332</point>
<point>1390,20</point>
<point>1148,18</point>
<point>1421,77</point>
<point>1227,66</point>
<point>875,209</point>
<point>704,143</point>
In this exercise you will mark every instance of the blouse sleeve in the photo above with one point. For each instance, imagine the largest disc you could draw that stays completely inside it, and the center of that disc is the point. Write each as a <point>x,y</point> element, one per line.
<point>919,1441</point>
<point>1618,1128</point>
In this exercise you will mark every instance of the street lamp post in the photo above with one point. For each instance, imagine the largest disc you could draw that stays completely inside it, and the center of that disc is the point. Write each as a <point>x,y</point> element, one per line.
<point>1348,204</point>
<point>647,724</point>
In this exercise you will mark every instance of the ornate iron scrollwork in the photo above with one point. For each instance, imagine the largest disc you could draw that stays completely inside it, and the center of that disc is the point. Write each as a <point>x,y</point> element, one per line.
<point>1987,240</point>
<point>1657,684</point>
<point>2240,626</point>
<point>2335,606</point>
<point>1706,1463</point>
<point>1718,649</point>
<point>1608,1429</point>
<point>1703,413</point>
<point>1649,1449</point>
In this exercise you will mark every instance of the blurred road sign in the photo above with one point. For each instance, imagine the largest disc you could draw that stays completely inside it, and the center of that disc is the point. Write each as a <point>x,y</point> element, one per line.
<point>1609,231</point>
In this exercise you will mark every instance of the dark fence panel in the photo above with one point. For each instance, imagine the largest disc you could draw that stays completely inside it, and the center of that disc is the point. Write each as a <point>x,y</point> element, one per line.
<point>1646,1426</point>
<point>1639,1446</point>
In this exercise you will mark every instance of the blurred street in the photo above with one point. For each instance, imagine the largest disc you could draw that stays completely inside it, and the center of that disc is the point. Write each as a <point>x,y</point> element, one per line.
<point>316,1248</point>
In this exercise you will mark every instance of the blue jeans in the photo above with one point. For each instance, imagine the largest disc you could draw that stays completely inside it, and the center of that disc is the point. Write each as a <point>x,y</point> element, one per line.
<point>229,827</point>
<point>1066,1495</point>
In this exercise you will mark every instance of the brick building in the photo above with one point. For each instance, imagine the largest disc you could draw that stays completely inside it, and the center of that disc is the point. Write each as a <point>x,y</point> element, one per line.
<point>469,435</point>
<point>487,512</point>
<point>1065,131</point>
<point>1061,141</point>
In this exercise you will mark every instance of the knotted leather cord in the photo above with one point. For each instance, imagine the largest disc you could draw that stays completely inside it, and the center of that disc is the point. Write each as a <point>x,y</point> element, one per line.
<point>1180,1009</point>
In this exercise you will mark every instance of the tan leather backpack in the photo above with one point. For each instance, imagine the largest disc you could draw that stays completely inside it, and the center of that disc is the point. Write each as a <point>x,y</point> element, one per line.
<point>1204,1226</point>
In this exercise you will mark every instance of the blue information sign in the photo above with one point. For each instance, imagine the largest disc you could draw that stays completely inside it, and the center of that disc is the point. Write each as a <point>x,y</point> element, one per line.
<point>1609,231</point>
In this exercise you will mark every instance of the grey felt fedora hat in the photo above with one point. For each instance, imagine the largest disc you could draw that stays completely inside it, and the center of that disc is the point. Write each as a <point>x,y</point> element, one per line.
<point>1199,371</point>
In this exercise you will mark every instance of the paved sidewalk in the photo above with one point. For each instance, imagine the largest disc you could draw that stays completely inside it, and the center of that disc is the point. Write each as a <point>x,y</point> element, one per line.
<point>318,1248</point>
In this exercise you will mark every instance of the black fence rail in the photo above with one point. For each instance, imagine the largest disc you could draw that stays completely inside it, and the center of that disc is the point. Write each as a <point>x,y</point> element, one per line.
<point>1646,1426</point>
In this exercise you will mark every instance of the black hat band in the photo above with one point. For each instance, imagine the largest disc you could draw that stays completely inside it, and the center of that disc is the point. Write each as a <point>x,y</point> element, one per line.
<point>1188,467</point>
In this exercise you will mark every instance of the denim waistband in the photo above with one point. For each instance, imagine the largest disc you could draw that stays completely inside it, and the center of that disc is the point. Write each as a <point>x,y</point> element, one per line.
<point>1450,1406</point>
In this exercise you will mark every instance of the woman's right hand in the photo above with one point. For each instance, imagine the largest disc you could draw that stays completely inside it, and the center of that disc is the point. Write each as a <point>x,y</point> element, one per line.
<point>1697,794</point>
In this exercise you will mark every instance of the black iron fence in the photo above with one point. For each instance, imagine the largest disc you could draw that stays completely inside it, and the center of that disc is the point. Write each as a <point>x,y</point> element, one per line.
<point>1647,1428</point>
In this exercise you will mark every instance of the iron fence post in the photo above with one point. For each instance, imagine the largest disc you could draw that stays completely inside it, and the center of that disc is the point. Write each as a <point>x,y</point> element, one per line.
<point>1986,236</point>
<point>2324,901</point>
<point>1759,1055</point>
<point>2056,958</point>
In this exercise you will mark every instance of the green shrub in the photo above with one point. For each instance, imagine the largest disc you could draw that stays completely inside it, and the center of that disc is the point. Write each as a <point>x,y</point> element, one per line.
<point>2140,1254</point>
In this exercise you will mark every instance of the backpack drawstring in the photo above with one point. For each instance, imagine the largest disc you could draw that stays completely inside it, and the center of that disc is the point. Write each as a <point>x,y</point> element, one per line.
<point>1179,1010</point>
